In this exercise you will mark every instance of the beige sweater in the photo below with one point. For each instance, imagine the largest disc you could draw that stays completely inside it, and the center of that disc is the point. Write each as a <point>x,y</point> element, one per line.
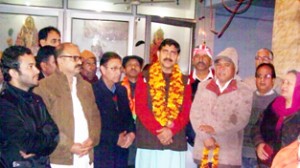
<point>228,113</point>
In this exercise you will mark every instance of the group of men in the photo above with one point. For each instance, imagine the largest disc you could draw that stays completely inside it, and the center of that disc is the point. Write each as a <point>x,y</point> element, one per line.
<point>55,116</point>
<point>80,121</point>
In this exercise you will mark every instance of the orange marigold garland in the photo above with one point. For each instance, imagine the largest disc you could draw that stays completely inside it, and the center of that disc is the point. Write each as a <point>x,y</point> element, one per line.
<point>126,84</point>
<point>165,111</point>
<point>215,158</point>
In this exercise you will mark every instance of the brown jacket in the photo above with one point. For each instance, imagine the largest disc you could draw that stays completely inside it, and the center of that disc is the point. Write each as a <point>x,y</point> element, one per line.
<point>56,94</point>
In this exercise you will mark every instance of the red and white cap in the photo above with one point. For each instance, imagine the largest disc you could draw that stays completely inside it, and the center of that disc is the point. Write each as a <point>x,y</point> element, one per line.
<point>202,50</point>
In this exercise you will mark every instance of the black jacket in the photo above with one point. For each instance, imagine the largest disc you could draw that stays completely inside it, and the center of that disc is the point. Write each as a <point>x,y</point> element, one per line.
<point>116,117</point>
<point>265,131</point>
<point>25,126</point>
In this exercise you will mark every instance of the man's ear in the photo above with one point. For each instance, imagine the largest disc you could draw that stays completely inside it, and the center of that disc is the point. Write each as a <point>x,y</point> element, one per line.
<point>43,42</point>
<point>210,63</point>
<point>178,58</point>
<point>13,73</point>
<point>102,69</point>
<point>158,54</point>
<point>43,66</point>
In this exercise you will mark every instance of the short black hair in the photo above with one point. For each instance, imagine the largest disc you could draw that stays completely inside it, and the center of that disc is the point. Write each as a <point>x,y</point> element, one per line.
<point>169,42</point>
<point>10,59</point>
<point>130,57</point>
<point>43,55</point>
<point>43,33</point>
<point>271,66</point>
<point>108,56</point>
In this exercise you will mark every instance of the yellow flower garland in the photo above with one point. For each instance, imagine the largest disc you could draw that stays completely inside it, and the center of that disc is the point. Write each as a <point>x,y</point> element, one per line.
<point>215,158</point>
<point>165,111</point>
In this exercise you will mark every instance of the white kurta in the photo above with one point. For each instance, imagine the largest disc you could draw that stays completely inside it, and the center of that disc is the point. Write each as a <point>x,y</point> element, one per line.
<point>189,163</point>
<point>81,132</point>
<point>146,158</point>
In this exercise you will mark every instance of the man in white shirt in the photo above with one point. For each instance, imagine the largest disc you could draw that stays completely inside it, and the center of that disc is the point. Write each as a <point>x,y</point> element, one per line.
<point>71,103</point>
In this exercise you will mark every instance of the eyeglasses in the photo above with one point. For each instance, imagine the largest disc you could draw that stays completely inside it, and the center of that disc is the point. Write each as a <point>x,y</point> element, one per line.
<point>114,69</point>
<point>74,57</point>
<point>263,58</point>
<point>267,76</point>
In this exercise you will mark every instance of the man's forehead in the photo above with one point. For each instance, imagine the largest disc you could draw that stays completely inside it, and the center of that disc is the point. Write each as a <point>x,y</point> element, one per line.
<point>52,32</point>
<point>131,61</point>
<point>264,68</point>
<point>26,56</point>
<point>263,52</point>
<point>201,54</point>
<point>90,60</point>
<point>71,49</point>
<point>169,46</point>
<point>223,60</point>
<point>27,59</point>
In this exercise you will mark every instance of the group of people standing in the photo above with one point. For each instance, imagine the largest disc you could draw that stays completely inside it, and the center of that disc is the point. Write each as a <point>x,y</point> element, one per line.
<point>61,115</point>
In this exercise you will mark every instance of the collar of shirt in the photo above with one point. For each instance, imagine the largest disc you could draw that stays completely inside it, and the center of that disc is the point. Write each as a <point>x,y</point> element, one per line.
<point>113,89</point>
<point>225,86</point>
<point>267,94</point>
<point>209,76</point>
<point>74,89</point>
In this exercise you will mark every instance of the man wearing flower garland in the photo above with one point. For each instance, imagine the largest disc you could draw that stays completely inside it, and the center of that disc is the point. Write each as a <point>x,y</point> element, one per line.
<point>219,113</point>
<point>163,99</point>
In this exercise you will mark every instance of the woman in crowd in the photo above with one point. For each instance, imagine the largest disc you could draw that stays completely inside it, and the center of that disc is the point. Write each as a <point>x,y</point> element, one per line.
<point>288,157</point>
<point>279,124</point>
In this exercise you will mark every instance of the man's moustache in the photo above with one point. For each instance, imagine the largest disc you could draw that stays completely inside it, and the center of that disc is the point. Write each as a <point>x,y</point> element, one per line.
<point>133,70</point>
<point>201,63</point>
<point>168,59</point>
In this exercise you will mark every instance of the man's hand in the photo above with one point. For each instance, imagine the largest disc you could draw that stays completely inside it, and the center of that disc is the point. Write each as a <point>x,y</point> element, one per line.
<point>209,143</point>
<point>165,136</point>
<point>122,139</point>
<point>25,155</point>
<point>87,145</point>
<point>82,149</point>
<point>129,139</point>
<point>78,149</point>
<point>207,129</point>
<point>261,153</point>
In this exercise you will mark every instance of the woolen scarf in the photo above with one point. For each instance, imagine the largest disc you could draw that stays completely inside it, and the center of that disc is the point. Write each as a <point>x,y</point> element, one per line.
<point>280,108</point>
